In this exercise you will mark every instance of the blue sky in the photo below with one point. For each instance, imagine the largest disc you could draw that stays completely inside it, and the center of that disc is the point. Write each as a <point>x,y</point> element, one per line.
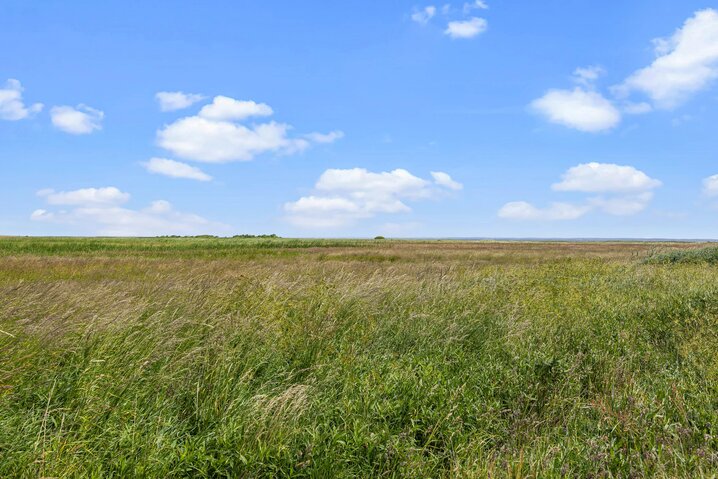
<point>408,119</point>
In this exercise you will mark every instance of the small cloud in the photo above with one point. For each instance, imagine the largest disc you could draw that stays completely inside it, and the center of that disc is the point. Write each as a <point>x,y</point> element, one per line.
<point>627,191</point>
<point>423,16</point>
<point>330,137</point>
<point>521,210</point>
<point>97,211</point>
<point>175,169</point>
<point>12,107</point>
<point>216,136</point>
<point>224,108</point>
<point>475,5</point>
<point>710,186</point>
<point>581,109</point>
<point>466,28</point>
<point>605,177</point>
<point>108,195</point>
<point>587,76</point>
<point>637,108</point>
<point>344,196</point>
<point>80,120</point>
<point>443,179</point>
<point>176,100</point>
<point>623,205</point>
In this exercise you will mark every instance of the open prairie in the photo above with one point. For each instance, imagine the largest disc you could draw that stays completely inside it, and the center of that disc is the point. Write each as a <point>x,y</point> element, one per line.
<point>208,357</point>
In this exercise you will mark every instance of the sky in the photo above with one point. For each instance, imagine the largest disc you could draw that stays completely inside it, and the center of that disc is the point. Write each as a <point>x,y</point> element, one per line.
<point>490,118</point>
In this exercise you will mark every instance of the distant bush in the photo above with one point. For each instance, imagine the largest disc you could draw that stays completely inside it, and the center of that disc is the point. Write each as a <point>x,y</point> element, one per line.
<point>708,255</point>
<point>379,238</point>
<point>255,236</point>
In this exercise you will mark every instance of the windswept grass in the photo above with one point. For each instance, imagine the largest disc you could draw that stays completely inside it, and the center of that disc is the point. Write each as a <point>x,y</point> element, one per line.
<point>166,358</point>
<point>706,255</point>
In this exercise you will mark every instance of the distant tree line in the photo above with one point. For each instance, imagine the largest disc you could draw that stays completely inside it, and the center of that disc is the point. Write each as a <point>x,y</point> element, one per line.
<point>217,237</point>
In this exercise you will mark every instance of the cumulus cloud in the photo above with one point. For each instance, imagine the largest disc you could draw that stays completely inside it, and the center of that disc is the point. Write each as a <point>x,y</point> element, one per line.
<point>466,28</point>
<point>475,5</point>
<point>86,196</point>
<point>344,196</point>
<point>79,120</point>
<point>443,179</point>
<point>605,177</point>
<point>226,108</point>
<point>710,186</point>
<point>624,191</point>
<point>97,211</point>
<point>423,16</point>
<point>175,169</point>
<point>640,108</point>
<point>176,100</point>
<point>622,205</point>
<point>216,136</point>
<point>12,107</point>
<point>582,109</point>
<point>521,210</point>
<point>330,137</point>
<point>200,139</point>
<point>588,75</point>
<point>685,63</point>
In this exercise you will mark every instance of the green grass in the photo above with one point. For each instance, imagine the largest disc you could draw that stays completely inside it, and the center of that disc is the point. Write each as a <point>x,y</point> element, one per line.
<point>707,255</point>
<point>331,358</point>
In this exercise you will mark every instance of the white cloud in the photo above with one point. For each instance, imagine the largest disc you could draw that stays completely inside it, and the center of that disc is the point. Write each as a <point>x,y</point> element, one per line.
<point>175,169</point>
<point>80,120</point>
<point>199,139</point>
<point>96,211</point>
<point>86,196</point>
<point>330,137</point>
<point>626,191</point>
<point>176,100</point>
<point>710,186</point>
<point>588,75</point>
<point>224,108</point>
<point>686,63</point>
<point>605,177</point>
<point>475,5</point>
<point>443,179</point>
<point>345,196</point>
<point>637,108</point>
<point>623,205</point>
<point>521,210</point>
<point>466,28</point>
<point>212,138</point>
<point>423,16</point>
<point>11,105</point>
<point>584,110</point>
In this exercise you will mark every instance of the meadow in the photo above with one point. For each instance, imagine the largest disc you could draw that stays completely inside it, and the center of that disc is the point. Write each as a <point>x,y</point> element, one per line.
<point>269,357</point>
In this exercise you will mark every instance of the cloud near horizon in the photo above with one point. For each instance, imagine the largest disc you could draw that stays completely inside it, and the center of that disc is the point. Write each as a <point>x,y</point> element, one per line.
<point>98,211</point>
<point>344,196</point>
<point>624,190</point>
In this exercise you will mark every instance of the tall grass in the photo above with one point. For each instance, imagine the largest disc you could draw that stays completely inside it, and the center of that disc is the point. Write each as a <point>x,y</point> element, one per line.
<point>447,360</point>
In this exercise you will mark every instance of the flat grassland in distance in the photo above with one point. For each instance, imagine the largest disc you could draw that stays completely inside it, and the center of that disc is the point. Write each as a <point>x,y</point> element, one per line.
<point>327,358</point>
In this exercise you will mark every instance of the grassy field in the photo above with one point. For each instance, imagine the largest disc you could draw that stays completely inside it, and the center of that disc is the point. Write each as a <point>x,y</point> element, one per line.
<point>345,358</point>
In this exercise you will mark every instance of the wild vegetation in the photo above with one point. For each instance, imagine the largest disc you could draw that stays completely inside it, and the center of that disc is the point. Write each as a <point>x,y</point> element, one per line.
<point>268,357</point>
